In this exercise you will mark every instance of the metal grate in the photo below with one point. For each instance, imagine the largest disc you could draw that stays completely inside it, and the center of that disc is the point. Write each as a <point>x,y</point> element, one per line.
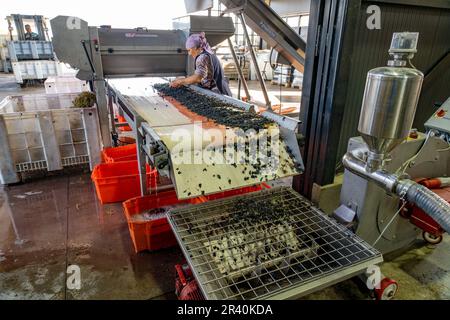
<point>73,161</point>
<point>269,244</point>
<point>42,165</point>
<point>31,166</point>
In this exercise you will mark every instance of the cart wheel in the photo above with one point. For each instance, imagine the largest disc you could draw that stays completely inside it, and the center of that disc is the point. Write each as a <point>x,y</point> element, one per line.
<point>431,238</point>
<point>388,289</point>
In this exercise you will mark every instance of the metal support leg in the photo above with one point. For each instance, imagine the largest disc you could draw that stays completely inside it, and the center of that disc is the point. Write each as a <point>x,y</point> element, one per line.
<point>141,157</point>
<point>238,68</point>
<point>90,121</point>
<point>112,118</point>
<point>103,112</point>
<point>255,62</point>
<point>111,112</point>
<point>95,61</point>
<point>239,84</point>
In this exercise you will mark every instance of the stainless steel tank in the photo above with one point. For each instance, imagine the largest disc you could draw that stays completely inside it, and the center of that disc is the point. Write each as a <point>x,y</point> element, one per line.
<point>388,108</point>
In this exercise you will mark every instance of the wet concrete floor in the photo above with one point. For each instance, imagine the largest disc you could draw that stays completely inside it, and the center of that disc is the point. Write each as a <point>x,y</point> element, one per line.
<point>47,225</point>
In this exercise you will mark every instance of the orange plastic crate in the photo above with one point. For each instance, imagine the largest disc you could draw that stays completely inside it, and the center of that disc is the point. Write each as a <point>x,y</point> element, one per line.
<point>121,119</point>
<point>117,154</point>
<point>119,181</point>
<point>155,234</point>
<point>235,192</point>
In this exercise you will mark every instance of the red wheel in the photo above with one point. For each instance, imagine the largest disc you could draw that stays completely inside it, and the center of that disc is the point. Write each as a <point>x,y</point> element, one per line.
<point>388,289</point>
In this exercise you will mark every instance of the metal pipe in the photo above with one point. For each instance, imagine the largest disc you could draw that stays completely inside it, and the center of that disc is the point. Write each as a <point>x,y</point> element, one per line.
<point>356,165</point>
<point>427,200</point>
<point>255,62</point>
<point>238,67</point>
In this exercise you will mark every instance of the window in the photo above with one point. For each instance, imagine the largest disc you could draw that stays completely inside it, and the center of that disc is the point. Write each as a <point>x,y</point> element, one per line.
<point>298,22</point>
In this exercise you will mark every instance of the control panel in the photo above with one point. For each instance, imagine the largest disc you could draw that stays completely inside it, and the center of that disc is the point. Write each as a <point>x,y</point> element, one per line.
<point>439,123</point>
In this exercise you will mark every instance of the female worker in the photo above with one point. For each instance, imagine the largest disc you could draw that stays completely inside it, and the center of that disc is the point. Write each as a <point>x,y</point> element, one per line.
<point>208,71</point>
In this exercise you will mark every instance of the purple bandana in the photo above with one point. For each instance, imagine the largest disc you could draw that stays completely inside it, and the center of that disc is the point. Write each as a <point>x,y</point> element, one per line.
<point>198,40</point>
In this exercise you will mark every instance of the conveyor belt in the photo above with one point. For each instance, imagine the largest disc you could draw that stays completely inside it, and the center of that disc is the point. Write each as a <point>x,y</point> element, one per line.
<point>197,171</point>
<point>272,244</point>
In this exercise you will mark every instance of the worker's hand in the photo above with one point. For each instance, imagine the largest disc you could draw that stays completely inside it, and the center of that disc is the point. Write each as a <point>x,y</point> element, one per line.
<point>176,83</point>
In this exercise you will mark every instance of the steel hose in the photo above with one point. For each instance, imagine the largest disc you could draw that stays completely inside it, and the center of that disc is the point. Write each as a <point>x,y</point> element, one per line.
<point>433,205</point>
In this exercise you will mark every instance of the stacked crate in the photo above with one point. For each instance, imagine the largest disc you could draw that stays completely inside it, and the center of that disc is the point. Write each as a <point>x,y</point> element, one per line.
<point>45,132</point>
<point>65,84</point>
<point>282,75</point>
<point>32,60</point>
<point>298,79</point>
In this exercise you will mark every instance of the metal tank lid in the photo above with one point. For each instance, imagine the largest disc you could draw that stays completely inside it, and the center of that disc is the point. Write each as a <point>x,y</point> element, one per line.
<point>394,72</point>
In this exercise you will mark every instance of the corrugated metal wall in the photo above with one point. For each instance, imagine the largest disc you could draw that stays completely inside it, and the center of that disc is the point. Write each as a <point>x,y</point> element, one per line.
<point>370,51</point>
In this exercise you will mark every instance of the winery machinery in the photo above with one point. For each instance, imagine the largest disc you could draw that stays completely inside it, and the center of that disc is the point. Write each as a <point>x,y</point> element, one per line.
<point>105,53</point>
<point>273,243</point>
<point>385,196</point>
